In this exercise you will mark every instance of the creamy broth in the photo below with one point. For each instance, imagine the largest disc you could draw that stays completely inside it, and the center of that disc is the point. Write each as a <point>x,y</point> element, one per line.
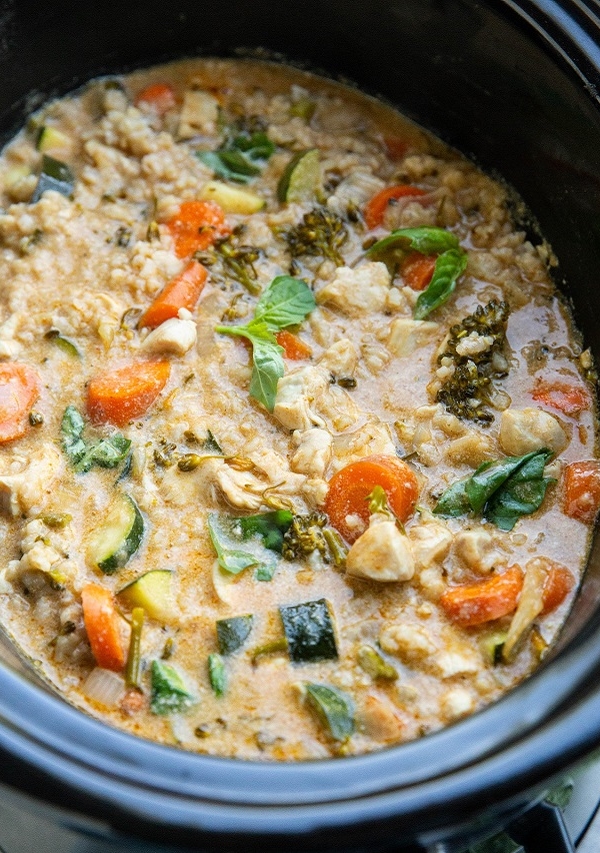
<point>145,218</point>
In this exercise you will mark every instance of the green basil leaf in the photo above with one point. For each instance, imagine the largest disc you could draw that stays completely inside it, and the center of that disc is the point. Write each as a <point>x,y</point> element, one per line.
<point>107,453</point>
<point>237,158</point>
<point>448,267</point>
<point>501,843</point>
<point>334,709</point>
<point>168,693</point>
<point>217,674</point>
<point>214,161</point>
<point>267,369</point>
<point>256,146</point>
<point>270,526</point>
<point>428,240</point>
<point>285,302</point>
<point>230,559</point>
<point>71,427</point>
<point>522,494</point>
<point>503,491</point>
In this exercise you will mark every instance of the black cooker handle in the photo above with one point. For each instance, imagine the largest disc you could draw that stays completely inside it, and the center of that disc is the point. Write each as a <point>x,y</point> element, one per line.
<point>541,830</point>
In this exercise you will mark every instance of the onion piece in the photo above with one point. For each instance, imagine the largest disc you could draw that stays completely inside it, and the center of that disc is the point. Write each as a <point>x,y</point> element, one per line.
<point>104,686</point>
<point>530,606</point>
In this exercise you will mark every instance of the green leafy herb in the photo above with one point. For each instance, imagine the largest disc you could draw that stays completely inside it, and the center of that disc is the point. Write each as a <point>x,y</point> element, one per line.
<point>270,526</point>
<point>503,491</point>
<point>230,559</point>
<point>286,302</point>
<point>168,693</point>
<point>232,633</point>
<point>216,674</point>
<point>450,264</point>
<point>240,158</point>
<point>334,709</point>
<point>466,391</point>
<point>448,267</point>
<point>105,453</point>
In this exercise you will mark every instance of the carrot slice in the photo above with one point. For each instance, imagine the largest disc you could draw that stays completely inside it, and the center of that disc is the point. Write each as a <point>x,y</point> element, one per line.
<point>417,270</point>
<point>350,487</point>
<point>566,397</point>
<point>118,396</point>
<point>181,292</point>
<point>102,627</point>
<point>395,147</point>
<point>293,347</point>
<point>19,389</point>
<point>160,96</point>
<point>196,226</point>
<point>476,603</point>
<point>581,490</point>
<point>375,208</point>
<point>558,585</point>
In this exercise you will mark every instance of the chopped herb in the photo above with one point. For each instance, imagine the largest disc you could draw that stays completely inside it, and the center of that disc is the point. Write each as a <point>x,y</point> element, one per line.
<point>466,391</point>
<point>168,694</point>
<point>57,520</point>
<point>63,343</point>
<point>105,453</point>
<point>502,491</point>
<point>320,234</point>
<point>309,631</point>
<point>122,237</point>
<point>210,443</point>
<point>333,708</point>
<point>240,158</point>
<point>230,559</point>
<point>270,526</point>
<point>216,674</point>
<point>232,633</point>
<point>286,302</point>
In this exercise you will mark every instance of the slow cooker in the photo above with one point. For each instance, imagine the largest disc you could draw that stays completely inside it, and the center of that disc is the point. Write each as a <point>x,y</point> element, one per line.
<point>513,84</point>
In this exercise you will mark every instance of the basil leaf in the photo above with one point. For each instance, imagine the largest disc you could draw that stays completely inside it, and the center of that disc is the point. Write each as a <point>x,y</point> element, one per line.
<point>522,494</point>
<point>501,843</point>
<point>216,674</point>
<point>270,526</point>
<point>256,146</point>
<point>448,267</point>
<point>427,240</point>
<point>334,709</point>
<point>237,158</point>
<point>268,368</point>
<point>285,302</point>
<point>502,491</point>
<point>230,559</point>
<point>71,427</point>
<point>210,444</point>
<point>168,694</point>
<point>107,453</point>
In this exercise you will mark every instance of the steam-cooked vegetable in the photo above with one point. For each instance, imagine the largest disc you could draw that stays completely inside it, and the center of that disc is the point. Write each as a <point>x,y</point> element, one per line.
<point>168,695</point>
<point>301,179</point>
<point>309,631</point>
<point>134,659</point>
<point>217,674</point>
<point>241,157</point>
<point>153,591</point>
<point>105,453</point>
<point>232,633</point>
<point>56,176</point>
<point>118,536</point>
<point>320,234</point>
<point>334,709</point>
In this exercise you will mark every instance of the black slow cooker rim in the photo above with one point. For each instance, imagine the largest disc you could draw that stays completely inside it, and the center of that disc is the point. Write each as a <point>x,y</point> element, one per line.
<point>546,724</point>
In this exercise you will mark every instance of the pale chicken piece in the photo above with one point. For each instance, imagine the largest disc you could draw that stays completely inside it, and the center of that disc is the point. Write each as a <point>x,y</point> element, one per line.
<point>524,430</point>
<point>313,453</point>
<point>276,469</point>
<point>478,550</point>
<point>354,191</point>
<point>449,663</point>
<point>472,449</point>
<point>406,335</point>
<point>371,438</point>
<point>408,642</point>
<point>379,719</point>
<point>430,543</point>
<point>174,336</point>
<point>341,358</point>
<point>26,481</point>
<point>359,291</point>
<point>199,114</point>
<point>306,398</point>
<point>456,702</point>
<point>381,553</point>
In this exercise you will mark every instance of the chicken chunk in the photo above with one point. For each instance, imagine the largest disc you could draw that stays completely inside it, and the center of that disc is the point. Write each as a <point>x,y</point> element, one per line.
<point>379,719</point>
<point>524,430</point>
<point>306,398</point>
<point>407,642</point>
<point>381,553</point>
<point>406,336</point>
<point>313,454</point>
<point>173,336</point>
<point>371,438</point>
<point>340,359</point>
<point>478,550</point>
<point>357,291</point>
<point>429,543</point>
<point>26,482</point>
<point>199,114</point>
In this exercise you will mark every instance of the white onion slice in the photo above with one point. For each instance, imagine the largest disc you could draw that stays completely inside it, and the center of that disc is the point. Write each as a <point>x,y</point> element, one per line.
<point>104,686</point>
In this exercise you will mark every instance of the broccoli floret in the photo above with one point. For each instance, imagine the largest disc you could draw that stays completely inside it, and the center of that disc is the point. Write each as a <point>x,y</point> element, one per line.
<point>305,535</point>
<point>235,260</point>
<point>466,392</point>
<point>320,234</point>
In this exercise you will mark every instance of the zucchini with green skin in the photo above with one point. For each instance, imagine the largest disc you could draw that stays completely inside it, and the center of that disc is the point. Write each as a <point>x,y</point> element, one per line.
<point>232,633</point>
<point>168,693</point>
<point>119,536</point>
<point>55,175</point>
<point>301,179</point>
<point>334,709</point>
<point>50,138</point>
<point>154,592</point>
<point>216,674</point>
<point>309,631</point>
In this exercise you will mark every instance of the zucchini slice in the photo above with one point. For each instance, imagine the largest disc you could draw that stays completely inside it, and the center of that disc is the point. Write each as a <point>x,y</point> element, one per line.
<point>51,138</point>
<point>154,592</point>
<point>233,633</point>
<point>232,199</point>
<point>55,175</point>
<point>168,693</point>
<point>118,537</point>
<point>309,631</point>
<point>301,179</point>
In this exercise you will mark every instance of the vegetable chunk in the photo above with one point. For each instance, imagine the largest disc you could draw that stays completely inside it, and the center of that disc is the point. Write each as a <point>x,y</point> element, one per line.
<point>102,627</point>
<point>483,601</point>
<point>182,292</point>
<point>118,396</point>
<point>19,389</point>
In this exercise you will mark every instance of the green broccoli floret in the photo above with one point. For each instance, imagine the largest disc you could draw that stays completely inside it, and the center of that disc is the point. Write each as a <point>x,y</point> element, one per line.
<point>320,234</point>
